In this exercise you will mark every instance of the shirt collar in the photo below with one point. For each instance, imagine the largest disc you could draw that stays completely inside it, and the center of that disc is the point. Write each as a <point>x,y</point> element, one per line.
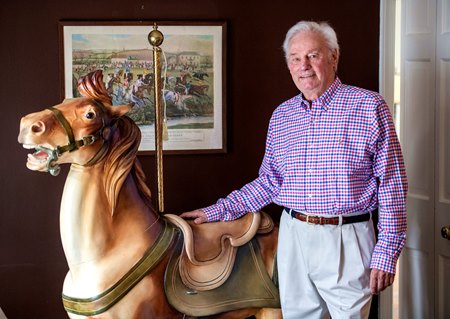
<point>325,99</point>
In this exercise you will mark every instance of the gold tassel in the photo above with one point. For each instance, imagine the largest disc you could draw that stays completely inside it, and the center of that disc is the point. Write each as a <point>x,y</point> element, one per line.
<point>165,133</point>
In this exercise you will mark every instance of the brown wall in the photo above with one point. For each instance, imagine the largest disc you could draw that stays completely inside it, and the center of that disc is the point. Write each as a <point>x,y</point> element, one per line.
<point>32,263</point>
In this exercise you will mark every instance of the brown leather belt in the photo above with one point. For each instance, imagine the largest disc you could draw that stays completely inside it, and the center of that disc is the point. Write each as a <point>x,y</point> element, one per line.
<point>319,220</point>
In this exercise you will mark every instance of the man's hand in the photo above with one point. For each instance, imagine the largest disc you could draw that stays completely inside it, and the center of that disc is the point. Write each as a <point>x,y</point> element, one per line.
<point>197,215</point>
<point>380,280</point>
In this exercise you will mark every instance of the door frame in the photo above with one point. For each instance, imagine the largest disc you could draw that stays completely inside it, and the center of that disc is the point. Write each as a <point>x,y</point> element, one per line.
<point>386,88</point>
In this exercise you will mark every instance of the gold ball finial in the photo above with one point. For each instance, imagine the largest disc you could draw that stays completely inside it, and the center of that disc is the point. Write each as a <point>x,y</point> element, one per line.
<point>155,37</point>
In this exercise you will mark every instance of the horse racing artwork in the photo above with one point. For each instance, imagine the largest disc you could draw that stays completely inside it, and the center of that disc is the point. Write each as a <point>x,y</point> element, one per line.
<point>125,259</point>
<point>192,70</point>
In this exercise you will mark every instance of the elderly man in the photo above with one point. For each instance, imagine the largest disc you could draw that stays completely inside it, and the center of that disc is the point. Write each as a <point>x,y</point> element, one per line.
<point>332,158</point>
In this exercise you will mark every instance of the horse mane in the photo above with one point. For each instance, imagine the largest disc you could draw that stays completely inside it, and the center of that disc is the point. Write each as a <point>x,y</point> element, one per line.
<point>121,160</point>
<point>92,86</point>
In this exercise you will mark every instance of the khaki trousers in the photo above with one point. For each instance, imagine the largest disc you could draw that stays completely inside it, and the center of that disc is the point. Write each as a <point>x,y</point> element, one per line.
<point>324,269</point>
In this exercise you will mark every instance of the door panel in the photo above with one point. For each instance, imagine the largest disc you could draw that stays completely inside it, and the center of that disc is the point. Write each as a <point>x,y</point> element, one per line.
<point>442,245</point>
<point>418,100</point>
<point>415,263</point>
<point>425,265</point>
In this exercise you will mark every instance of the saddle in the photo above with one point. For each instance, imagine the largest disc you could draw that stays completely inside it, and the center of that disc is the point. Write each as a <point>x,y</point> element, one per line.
<point>210,249</point>
<point>218,267</point>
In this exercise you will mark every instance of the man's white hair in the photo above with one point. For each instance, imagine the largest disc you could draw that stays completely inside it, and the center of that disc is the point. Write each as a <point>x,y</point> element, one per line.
<point>322,28</point>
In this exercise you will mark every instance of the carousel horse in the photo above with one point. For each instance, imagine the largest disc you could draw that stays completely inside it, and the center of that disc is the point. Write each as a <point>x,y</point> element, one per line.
<point>125,259</point>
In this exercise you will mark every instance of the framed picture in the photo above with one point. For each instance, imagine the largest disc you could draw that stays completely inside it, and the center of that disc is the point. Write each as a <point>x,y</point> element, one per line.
<point>193,76</point>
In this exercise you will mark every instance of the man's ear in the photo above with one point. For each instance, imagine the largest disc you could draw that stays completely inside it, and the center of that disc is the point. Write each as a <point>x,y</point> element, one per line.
<point>334,58</point>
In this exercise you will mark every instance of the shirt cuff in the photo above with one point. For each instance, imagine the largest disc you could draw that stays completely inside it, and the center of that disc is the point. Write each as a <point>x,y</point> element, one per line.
<point>383,262</point>
<point>213,213</point>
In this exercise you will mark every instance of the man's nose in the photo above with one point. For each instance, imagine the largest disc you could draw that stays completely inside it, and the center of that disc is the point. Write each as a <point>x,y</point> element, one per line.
<point>304,64</point>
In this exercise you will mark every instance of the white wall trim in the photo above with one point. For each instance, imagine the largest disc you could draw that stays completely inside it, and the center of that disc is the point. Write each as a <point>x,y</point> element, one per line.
<point>386,85</point>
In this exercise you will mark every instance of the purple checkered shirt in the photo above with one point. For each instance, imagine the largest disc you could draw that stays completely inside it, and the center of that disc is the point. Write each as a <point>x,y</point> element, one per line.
<point>339,156</point>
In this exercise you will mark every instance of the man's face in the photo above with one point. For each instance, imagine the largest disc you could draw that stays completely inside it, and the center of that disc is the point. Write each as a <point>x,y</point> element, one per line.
<point>311,64</point>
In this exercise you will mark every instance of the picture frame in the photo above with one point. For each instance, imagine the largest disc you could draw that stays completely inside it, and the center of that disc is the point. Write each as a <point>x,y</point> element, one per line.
<point>193,76</point>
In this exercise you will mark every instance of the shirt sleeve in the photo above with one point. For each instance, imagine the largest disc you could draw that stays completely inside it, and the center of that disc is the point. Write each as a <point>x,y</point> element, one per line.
<point>390,171</point>
<point>254,195</point>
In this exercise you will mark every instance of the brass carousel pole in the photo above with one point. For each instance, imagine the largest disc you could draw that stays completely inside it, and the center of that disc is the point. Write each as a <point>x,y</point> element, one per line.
<point>156,38</point>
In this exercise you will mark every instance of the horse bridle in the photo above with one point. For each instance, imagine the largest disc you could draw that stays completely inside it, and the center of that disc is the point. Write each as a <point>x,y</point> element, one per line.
<point>73,145</point>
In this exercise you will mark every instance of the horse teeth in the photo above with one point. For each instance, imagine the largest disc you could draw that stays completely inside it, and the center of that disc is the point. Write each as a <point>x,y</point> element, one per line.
<point>36,159</point>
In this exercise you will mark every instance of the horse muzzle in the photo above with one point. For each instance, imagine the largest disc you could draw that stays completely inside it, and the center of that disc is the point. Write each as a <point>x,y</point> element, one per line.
<point>43,159</point>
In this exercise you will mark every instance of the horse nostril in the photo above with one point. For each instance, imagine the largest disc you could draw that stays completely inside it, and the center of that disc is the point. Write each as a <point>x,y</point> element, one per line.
<point>38,127</point>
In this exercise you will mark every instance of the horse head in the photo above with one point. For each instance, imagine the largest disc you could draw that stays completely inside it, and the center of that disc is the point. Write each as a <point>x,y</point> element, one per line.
<point>76,131</point>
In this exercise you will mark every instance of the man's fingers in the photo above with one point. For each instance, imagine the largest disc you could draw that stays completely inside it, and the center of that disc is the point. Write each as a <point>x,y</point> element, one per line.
<point>390,279</point>
<point>387,280</point>
<point>188,215</point>
<point>374,281</point>
<point>380,280</point>
<point>197,215</point>
<point>200,220</point>
<point>193,214</point>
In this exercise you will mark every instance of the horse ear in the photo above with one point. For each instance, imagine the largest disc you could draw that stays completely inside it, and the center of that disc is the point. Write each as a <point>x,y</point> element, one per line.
<point>119,110</point>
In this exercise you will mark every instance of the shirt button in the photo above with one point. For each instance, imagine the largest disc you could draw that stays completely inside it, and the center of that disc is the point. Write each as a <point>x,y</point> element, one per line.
<point>310,195</point>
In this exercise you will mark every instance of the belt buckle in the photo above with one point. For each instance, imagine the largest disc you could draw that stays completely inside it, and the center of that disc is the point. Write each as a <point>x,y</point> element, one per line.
<point>307,219</point>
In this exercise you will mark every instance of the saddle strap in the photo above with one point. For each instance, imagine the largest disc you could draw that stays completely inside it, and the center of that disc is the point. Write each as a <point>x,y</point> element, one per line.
<point>104,301</point>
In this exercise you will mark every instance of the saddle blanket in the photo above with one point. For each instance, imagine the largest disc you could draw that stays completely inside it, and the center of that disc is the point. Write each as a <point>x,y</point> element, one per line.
<point>249,286</point>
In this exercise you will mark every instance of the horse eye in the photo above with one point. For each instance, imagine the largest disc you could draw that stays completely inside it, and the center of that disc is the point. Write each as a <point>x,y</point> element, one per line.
<point>90,115</point>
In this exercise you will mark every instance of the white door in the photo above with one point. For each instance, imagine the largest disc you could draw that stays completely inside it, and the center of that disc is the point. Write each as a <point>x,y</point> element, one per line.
<point>442,213</point>
<point>425,122</point>
<point>418,104</point>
